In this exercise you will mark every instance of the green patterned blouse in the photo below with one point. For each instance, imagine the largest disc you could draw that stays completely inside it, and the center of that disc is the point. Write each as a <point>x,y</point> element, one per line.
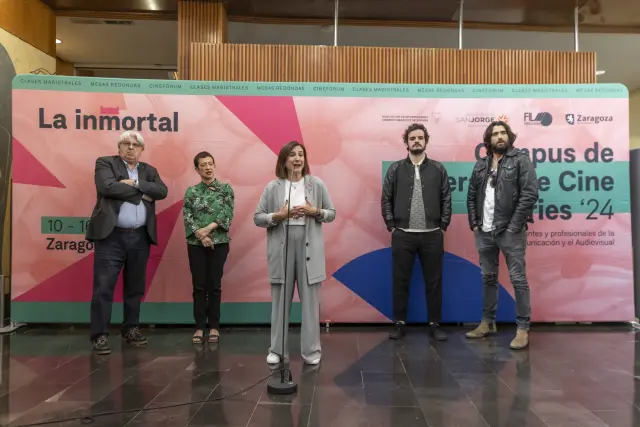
<point>204,204</point>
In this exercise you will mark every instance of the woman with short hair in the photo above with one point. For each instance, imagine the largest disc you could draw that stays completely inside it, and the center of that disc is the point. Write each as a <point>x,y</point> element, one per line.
<point>208,212</point>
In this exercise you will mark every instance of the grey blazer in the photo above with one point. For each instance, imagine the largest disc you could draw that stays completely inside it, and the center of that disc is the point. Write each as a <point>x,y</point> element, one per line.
<point>271,200</point>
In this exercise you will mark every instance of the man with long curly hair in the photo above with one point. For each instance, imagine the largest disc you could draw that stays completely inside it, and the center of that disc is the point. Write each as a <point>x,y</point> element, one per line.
<point>503,191</point>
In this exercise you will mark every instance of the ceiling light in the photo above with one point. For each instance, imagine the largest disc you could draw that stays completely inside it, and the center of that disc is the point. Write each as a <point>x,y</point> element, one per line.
<point>152,5</point>
<point>600,72</point>
<point>58,41</point>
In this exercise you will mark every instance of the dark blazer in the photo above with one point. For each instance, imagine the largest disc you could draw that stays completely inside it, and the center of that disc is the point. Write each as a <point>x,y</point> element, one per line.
<point>112,193</point>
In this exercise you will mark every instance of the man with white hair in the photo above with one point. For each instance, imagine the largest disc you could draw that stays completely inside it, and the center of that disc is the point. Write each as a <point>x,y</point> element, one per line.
<point>122,226</point>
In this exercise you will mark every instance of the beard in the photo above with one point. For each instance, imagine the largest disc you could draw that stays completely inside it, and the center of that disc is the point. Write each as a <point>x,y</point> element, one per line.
<point>500,148</point>
<point>417,150</point>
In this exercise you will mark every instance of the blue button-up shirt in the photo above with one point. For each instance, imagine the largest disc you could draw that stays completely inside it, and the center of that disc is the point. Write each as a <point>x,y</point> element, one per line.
<point>132,216</point>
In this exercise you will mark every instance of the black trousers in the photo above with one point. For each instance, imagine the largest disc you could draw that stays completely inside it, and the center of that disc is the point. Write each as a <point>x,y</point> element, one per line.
<point>207,267</point>
<point>429,247</point>
<point>122,249</point>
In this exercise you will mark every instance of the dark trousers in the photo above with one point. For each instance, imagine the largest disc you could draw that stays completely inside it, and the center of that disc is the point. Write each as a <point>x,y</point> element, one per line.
<point>122,249</point>
<point>429,247</point>
<point>207,266</point>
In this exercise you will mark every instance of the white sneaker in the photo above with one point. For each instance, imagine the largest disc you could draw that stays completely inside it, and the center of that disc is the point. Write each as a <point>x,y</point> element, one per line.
<point>312,362</point>
<point>273,359</point>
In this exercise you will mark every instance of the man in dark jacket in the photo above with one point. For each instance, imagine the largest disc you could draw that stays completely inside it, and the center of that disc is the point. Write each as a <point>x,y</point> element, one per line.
<point>503,191</point>
<point>123,226</point>
<point>416,207</point>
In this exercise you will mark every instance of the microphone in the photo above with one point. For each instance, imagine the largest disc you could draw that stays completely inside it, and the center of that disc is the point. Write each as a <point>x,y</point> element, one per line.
<point>284,386</point>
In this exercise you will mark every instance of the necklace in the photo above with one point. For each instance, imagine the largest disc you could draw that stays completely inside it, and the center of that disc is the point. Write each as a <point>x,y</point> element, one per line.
<point>294,185</point>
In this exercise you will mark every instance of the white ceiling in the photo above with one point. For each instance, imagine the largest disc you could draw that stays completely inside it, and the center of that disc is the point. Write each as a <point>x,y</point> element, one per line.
<point>148,44</point>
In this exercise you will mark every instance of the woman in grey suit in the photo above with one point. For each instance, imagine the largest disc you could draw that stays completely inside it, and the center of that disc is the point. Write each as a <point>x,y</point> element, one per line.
<point>310,207</point>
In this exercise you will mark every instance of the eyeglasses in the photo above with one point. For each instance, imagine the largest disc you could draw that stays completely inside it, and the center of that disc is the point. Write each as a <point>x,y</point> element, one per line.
<point>131,144</point>
<point>493,178</point>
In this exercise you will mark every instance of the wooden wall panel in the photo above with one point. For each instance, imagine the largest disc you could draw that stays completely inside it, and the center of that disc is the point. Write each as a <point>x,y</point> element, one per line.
<point>31,21</point>
<point>199,21</point>
<point>64,68</point>
<point>284,63</point>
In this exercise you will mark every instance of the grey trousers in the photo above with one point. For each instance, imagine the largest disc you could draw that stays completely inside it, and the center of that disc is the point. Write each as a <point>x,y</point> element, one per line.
<point>513,246</point>
<point>309,294</point>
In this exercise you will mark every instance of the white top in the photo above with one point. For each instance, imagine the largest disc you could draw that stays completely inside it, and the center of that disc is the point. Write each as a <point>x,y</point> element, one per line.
<point>489,208</point>
<point>297,199</point>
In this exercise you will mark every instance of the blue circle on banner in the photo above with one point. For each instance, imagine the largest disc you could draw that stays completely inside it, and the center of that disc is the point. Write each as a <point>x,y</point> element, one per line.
<point>370,276</point>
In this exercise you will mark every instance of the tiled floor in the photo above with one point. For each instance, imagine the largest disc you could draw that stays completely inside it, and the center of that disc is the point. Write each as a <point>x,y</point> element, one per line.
<point>571,376</point>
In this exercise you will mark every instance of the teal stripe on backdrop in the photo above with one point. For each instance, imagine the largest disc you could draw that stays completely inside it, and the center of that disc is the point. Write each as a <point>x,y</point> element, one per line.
<point>614,175</point>
<point>350,90</point>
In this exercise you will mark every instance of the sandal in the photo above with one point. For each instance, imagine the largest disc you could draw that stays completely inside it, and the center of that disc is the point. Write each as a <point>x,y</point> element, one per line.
<point>214,336</point>
<point>197,339</point>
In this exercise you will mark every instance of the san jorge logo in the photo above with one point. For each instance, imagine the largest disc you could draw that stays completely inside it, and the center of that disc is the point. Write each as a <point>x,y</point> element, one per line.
<point>481,119</point>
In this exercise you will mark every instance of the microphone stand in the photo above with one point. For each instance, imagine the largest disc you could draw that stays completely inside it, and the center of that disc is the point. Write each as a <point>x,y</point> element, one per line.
<point>282,385</point>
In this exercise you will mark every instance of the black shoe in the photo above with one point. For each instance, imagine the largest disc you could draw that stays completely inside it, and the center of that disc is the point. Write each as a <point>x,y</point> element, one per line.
<point>399,331</point>
<point>436,332</point>
<point>134,336</point>
<point>101,345</point>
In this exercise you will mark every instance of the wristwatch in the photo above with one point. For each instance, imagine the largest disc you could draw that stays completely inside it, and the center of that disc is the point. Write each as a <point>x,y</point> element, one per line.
<point>319,214</point>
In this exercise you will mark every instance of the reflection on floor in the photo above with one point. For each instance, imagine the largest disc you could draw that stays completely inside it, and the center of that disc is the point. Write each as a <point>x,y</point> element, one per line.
<point>571,376</point>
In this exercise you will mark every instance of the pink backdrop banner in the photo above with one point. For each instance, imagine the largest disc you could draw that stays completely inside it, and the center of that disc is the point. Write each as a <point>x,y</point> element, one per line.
<point>579,258</point>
